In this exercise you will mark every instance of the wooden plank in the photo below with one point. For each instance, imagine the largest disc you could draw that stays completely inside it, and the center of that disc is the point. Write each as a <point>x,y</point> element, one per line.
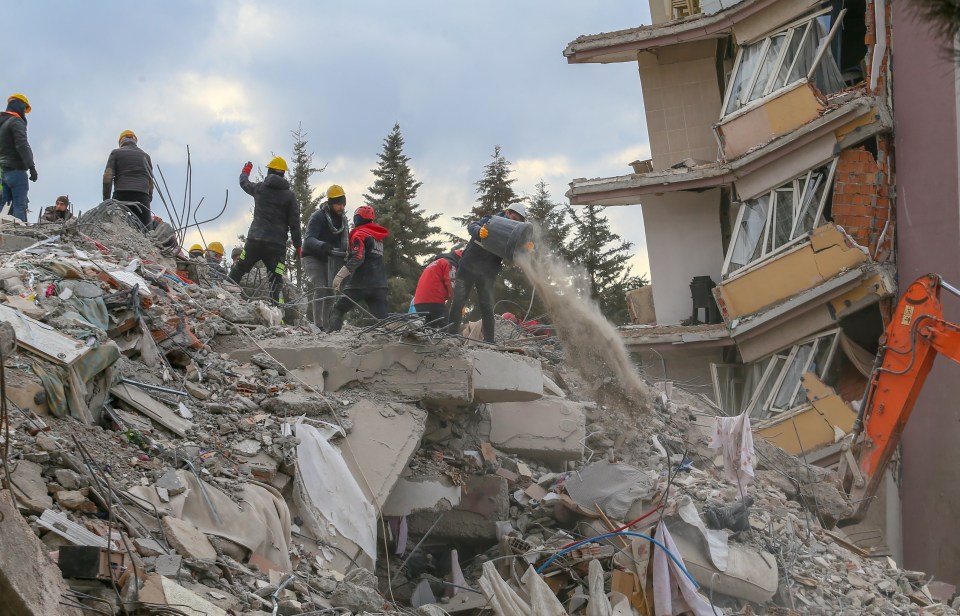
<point>141,401</point>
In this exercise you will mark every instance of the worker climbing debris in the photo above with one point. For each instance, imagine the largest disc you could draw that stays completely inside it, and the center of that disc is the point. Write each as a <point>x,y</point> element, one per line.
<point>362,277</point>
<point>129,172</point>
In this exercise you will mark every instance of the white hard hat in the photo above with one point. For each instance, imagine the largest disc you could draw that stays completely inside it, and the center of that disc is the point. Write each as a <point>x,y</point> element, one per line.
<point>519,209</point>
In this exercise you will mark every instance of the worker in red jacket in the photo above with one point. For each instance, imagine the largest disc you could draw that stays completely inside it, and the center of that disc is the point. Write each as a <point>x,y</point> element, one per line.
<point>435,288</point>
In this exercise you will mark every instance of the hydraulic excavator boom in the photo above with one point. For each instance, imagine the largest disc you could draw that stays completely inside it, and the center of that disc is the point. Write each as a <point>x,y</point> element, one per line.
<point>915,335</point>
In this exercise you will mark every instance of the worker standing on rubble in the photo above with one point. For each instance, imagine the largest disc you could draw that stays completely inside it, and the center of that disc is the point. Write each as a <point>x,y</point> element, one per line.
<point>324,251</point>
<point>275,212</point>
<point>366,277</point>
<point>16,157</point>
<point>435,288</point>
<point>214,256</point>
<point>478,269</point>
<point>129,172</point>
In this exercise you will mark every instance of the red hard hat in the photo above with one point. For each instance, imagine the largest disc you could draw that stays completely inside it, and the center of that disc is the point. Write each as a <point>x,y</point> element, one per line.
<point>366,212</point>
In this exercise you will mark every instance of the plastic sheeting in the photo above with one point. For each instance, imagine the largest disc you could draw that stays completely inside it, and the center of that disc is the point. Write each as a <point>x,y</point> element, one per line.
<point>615,487</point>
<point>673,592</point>
<point>505,601</point>
<point>330,494</point>
<point>599,604</point>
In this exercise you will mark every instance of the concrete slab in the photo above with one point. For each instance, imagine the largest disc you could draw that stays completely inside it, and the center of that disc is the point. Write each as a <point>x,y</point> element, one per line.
<point>30,487</point>
<point>383,440</point>
<point>414,494</point>
<point>29,581</point>
<point>177,595</point>
<point>485,501</point>
<point>505,377</point>
<point>187,539</point>
<point>550,429</point>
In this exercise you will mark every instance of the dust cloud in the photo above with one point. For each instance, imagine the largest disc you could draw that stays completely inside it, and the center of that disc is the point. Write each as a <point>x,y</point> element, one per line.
<point>591,343</point>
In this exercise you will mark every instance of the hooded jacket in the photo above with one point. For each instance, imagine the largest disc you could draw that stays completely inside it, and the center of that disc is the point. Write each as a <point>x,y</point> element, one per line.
<point>275,210</point>
<point>128,169</point>
<point>436,282</point>
<point>478,260</point>
<point>365,258</point>
<point>326,231</point>
<point>15,152</point>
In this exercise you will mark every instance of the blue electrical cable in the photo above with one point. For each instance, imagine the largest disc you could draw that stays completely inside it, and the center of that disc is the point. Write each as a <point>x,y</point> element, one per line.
<point>595,539</point>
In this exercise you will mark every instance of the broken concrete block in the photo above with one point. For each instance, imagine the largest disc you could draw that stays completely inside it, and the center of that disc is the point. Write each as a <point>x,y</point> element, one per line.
<point>171,482</point>
<point>29,582</point>
<point>72,499</point>
<point>200,393</point>
<point>168,565</point>
<point>188,601</point>
<point>187,540</point>
<point>383,440</point>
<point>550,429</point>
<point>149,547</point>
<point>413,494</point>
<point>357,592</point>
<point>30,488</point>
<point>294,403</point>
<point>505,377</point>
<point>485,500</point>
<point>67,478</point>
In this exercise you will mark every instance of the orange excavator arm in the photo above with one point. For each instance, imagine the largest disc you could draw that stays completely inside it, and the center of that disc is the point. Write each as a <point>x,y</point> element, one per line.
<point>916,334</point>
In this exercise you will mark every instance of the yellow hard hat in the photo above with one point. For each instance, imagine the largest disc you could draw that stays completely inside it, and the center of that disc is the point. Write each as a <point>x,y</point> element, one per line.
<point>20,97</point>
<point>196,247</point>
<point>278,163</point>
<point>216,247</point>
<point>335,191</point>
<point>126,133</point>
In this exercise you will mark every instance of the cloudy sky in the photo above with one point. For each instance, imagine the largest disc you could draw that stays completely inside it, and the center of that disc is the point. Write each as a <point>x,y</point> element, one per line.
<point>232,79</point>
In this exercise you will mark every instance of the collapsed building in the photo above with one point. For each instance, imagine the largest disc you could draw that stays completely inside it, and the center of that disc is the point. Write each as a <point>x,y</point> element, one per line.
<point>770,206</point>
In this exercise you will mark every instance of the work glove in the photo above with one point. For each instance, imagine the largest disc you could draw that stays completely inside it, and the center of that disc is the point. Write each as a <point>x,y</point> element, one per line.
<point>247,168</point>
<point>338,279</point>
<point>484,232</point>
<point>33,174</point>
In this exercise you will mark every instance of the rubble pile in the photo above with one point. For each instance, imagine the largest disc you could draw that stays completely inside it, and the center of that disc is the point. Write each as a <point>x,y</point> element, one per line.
<point>175,449</point>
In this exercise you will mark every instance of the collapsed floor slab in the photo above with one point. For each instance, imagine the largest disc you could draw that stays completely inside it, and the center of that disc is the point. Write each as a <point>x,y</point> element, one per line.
<point>505,377</point>
<point>485,501</point>
<point>414,494</point>
<point>551,429</point>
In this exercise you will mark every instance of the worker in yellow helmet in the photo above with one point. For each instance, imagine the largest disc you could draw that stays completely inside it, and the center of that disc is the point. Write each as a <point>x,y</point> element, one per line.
<point>214,256</point>
<point>275,213</point>
<point>324,252</point>
<point>196,251</point>
<point>129,172</point>
<point>16,157</point>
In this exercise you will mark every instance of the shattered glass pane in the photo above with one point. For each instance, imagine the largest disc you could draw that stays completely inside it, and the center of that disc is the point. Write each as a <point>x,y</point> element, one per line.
<point>759,409</point>
<point>810,203</point>
<point>749,58</point>
<point>797,36</point>
<point>783,218</point>
<point>767,66</point>
<point>831,81</point>
<point>795,370</point>
<point>747,246</point>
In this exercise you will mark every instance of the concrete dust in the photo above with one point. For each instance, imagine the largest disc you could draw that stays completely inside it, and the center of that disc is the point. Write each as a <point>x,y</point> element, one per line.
<point>592,344</point>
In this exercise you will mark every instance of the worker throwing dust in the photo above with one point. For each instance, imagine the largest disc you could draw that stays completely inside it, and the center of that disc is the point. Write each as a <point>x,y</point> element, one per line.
<point>478,269</point>
<point>363,277</point>
<point>275,213</point>
<point>324,252</point>
<point>129,172</point>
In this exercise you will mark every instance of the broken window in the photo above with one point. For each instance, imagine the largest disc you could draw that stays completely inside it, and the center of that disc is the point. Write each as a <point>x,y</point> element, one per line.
<point>798,52</point>
<point>773,385</point>
<point>778,219</point>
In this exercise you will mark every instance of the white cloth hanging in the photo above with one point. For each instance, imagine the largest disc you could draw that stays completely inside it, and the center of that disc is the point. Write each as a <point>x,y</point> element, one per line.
<point>733,437</point>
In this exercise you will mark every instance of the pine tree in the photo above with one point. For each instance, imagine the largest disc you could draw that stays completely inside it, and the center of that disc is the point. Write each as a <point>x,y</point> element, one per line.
<point>412,231</point>
<point>495,189</point>
<point>604,256</point>
<point>300,174</point>
<point>552,220</point>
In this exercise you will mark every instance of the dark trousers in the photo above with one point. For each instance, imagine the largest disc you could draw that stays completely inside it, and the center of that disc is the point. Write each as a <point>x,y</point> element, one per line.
<point>133,199</point>
<point>375,299</point>
<point>274,258</point>
<point>466,281</point>
<point>436,314</point>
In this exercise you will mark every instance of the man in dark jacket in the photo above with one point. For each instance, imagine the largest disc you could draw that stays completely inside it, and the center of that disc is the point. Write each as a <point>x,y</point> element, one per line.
<point>324,250</point>
<point>275,212</point>
<point>435,288</point>
<point>59,212</point>
<point>129,171</point>
<point>366,278</point>
<point>478,269</point>
<point>16,157</point>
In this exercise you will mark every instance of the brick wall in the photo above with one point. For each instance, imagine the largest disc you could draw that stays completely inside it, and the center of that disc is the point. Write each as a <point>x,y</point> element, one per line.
<point>862,199</point>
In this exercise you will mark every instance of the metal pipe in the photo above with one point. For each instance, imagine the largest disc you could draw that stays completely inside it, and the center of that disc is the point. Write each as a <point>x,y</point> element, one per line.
<point>166,390</point>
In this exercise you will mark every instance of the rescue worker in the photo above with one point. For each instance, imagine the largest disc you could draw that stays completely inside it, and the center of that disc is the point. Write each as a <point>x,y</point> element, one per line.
<point>59,211</point>
<point>235,255</point>
<point>214,257</point>
<point>129,171</point>
<point>275,213</point>
<point>365,275</point>
<point>196,251</point>
<point>16,157</point>
<point>435,288</point>
<point>324,251</point>
<point>478,269</point>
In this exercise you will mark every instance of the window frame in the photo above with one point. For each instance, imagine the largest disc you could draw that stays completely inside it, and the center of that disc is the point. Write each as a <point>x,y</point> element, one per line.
<point>803,24</point>
<point>765,255</point>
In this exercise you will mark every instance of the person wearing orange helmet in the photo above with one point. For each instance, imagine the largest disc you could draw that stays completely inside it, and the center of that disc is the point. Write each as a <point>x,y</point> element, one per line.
<point>363,276</point>
<point>435,288</point>
<point>129,171</point>
<point>16,157</point>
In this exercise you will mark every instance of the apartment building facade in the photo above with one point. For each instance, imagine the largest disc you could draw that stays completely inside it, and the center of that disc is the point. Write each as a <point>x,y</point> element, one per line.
<point>774,205</point>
